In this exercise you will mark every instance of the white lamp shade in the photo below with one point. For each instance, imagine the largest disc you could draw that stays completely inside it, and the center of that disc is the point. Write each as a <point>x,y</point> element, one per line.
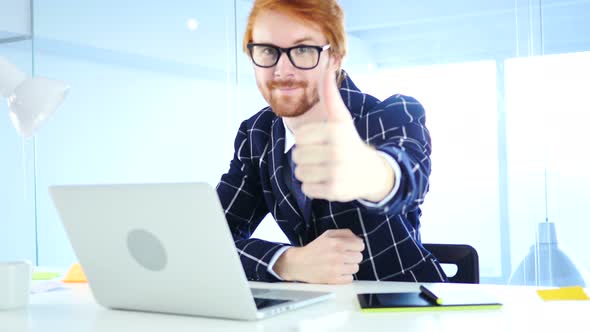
<point>33,101</point>
<point>10,77</point>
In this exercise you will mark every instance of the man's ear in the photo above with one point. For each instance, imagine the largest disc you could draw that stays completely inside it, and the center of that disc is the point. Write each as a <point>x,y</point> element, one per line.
<point>336,67</point>
<point>336,62</point>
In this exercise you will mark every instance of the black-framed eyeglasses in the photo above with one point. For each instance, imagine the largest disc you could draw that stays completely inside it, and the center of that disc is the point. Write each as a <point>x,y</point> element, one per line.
<point>301,56</point>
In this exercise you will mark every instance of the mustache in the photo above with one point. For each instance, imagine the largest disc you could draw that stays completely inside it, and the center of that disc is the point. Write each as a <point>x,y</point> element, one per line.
<point>278,84</point>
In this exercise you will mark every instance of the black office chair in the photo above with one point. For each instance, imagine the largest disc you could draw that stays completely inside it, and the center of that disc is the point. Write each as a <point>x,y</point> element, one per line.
<point>462,255</point>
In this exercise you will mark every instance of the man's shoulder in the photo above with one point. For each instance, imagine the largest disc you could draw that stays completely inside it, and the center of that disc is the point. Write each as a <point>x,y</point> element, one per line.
<point>394,106</point>
<point>399,100</point>
<point>258,128</point>
<point>261,121</point>
<point>362,104</point>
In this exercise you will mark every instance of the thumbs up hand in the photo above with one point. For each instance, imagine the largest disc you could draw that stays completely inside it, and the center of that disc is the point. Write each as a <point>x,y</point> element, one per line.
<point>331,159</point>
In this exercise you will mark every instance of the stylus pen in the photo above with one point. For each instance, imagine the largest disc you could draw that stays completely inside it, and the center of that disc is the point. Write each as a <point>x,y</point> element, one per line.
<point>429,296</point>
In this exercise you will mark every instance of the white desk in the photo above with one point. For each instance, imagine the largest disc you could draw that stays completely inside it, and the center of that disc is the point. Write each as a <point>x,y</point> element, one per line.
<point>74,309</point>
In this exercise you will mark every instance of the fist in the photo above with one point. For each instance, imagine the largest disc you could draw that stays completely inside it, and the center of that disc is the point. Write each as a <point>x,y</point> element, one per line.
<point>332,258</point>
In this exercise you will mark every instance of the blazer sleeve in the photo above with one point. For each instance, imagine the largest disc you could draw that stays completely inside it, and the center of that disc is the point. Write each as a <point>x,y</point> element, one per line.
<point>241,196</point>
<point>397,127</point>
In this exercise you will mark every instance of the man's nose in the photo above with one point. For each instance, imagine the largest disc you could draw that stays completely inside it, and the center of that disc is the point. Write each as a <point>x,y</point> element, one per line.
<point>284,67</point>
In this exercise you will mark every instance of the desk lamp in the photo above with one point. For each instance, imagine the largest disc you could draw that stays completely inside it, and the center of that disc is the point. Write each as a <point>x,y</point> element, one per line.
<point>31,101</point>
<point>546,264</point>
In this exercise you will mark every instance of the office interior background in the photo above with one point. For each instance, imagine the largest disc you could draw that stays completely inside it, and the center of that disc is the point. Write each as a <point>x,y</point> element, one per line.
<point>158,90</point>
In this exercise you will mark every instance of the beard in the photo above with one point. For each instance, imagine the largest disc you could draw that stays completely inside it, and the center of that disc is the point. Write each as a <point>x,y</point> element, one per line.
<point>291,106</point>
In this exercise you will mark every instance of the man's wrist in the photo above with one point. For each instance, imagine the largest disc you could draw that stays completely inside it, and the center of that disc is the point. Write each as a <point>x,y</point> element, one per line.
<point>273,261</point>
<point>283,265</point>
<point>381,178</point>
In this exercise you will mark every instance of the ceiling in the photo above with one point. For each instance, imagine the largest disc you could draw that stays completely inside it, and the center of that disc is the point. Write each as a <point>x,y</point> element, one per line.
<point>384,33</point>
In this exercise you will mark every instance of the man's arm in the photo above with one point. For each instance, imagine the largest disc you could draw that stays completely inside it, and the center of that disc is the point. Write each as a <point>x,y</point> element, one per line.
<point>344,160</point>
<point>336,159</point>
<point>243,203</point>
<point>389,185</point>
<point>397,128</point>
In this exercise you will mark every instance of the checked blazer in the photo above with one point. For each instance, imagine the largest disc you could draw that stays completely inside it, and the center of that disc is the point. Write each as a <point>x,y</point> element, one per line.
<point>254,186</point>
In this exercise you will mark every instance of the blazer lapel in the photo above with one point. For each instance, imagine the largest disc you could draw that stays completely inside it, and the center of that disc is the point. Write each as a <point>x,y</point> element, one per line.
<point>287,204</point>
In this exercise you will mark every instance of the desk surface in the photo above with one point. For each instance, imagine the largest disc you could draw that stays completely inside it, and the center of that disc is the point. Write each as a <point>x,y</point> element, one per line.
<point>74,309</point>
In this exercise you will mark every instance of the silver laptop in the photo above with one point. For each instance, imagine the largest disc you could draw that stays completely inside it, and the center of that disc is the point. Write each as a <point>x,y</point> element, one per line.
<point>164,248</point>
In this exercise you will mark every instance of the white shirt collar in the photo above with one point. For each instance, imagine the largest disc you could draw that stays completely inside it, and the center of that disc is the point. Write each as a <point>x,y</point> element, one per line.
<point>289,138</point>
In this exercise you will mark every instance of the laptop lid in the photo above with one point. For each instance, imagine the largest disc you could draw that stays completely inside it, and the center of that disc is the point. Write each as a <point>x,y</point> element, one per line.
<point>156,247</point>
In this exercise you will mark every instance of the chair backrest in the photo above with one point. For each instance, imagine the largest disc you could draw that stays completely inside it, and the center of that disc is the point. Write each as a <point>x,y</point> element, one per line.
<point>462,255</point>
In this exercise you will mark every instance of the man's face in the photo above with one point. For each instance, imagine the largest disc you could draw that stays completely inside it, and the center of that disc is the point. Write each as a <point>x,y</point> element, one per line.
<point>288,90</point>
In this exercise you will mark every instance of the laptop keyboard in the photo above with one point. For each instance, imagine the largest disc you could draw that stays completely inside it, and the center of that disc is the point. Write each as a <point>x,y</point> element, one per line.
<point>266,302</point>
<point>263,303</point>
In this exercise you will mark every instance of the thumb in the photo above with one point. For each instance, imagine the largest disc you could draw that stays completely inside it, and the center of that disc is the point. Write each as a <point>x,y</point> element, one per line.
<point>330,98</point>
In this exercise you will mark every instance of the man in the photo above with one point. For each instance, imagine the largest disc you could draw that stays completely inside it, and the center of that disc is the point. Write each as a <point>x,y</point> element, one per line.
<point>342,173</point>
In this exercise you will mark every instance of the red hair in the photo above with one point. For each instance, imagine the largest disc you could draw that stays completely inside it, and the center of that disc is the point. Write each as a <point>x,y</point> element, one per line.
<point>326,14</point>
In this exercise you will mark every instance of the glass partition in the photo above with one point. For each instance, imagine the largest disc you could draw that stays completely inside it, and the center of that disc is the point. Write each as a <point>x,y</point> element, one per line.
<point>148,101</point>
<point>17,177</point>
<point>502,83</point>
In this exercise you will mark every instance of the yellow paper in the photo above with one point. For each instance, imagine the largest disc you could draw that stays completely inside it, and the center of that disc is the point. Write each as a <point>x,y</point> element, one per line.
<point>45,275</point>
<point>563,294</point>
<point>75,274</point>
